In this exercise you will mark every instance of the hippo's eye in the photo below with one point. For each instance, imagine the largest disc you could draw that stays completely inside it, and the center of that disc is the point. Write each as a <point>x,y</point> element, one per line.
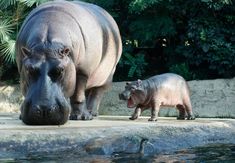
<point>33,72</point>
<point>133,88</point>
<point>56,73</point>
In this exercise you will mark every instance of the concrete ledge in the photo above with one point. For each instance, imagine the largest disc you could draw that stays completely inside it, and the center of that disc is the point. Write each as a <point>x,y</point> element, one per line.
<point>110,134</point>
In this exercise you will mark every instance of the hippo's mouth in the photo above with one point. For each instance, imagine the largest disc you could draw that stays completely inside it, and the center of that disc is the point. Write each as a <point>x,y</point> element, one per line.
<point>130,103</point>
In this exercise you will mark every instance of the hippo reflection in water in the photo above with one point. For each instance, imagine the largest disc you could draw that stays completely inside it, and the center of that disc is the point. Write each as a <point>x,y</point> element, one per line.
<point>66,55</point>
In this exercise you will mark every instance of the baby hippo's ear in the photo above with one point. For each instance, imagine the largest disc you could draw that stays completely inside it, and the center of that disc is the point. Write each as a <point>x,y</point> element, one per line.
<point>139,82</point>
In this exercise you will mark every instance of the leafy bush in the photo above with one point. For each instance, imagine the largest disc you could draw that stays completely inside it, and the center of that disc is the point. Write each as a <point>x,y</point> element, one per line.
<point>195,38</point>
<point>136,64</point>
<point>183,70</point>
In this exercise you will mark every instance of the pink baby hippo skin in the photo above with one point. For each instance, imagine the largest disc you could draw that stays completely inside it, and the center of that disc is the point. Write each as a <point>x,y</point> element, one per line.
<point>170,90</point>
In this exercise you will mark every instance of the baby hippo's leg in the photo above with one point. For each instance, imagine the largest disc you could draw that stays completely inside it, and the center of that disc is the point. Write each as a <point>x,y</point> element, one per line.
<point>136,113</point>
<point>190,113</point>
<point>154,112</point>
<point>188,108</point>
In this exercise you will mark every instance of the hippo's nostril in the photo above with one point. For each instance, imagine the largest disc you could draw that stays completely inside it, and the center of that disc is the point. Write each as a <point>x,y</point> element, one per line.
<point>37,110</point>
<point>53,109</point>
<point>122,97</point>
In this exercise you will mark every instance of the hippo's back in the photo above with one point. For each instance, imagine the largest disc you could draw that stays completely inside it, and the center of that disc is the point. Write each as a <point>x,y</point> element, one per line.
<point>169,82</point>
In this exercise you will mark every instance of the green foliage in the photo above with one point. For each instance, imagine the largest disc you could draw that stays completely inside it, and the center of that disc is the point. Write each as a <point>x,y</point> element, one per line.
<point>200,33</point>
<point>7,46</point>
<point>142,29</point>
<point>6,3</point>
<point>194,38</point>
<point>137,6</point>
<point>136,64</point>
<point>31,3</point>
<point>217,4</point>
<point>6,29</point>
<point>1,72</point>
<point>183,70</point>
<point>12,14</point>
<point>210,38</point>
<point>8,51</point>
<point>132,66</point>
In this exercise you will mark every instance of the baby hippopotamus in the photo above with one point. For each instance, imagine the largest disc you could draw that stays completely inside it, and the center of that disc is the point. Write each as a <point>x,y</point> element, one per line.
<point>167,89</point>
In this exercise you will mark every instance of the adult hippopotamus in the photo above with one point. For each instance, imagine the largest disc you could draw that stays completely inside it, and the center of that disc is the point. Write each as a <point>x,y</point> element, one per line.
<point>66,55</point>
<point>161,90</point>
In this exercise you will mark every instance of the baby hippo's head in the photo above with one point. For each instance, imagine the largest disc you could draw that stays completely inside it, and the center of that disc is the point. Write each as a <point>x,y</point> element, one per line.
<point>134,93</point>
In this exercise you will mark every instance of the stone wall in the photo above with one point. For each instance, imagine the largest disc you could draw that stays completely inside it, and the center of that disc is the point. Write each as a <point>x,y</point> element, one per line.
<point>10,99</point>
<point>210,98</point>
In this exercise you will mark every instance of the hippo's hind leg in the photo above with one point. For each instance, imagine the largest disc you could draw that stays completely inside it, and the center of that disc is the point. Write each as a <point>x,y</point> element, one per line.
<point>182,112</point>
<point>94,97</point>
<point>188,109</point>
<point>190,113</point>
<point>154,111</point>
<point>78,101</point>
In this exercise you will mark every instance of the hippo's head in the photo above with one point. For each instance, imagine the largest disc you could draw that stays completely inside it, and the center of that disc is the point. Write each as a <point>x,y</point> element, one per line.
<point>48,79</point>
<point>134,93</point>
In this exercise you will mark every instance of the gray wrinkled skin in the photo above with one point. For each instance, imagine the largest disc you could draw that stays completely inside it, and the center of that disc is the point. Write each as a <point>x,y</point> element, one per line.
<point>66,55</point>
<point>167,89</point>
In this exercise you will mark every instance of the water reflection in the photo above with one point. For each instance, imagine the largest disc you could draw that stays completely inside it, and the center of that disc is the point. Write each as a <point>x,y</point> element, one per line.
<point>211,153</point>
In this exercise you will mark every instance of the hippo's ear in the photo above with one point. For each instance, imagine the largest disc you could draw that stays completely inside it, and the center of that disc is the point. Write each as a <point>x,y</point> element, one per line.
<point>139,82</point>
<point>26,52</point>
<point>65,51</point>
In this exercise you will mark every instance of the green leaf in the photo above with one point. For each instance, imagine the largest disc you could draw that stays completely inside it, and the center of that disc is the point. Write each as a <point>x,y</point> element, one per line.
<point>205,47</point>
<point>7,51</point>
<point>7,3</point>
<point>6,28</point>
<point>30,3</point>
<point>132,71</point>
<point>138,6</point>
<point>130,58</point>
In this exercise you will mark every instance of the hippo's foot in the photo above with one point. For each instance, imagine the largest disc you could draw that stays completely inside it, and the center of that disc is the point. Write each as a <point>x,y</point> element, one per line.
<point>191,117</point>
<point>133,118</point>
<point>80,112</point>
<point>84,116</point>
<point>181,118</point>
<point>152,119</point>
<point>94,114</point>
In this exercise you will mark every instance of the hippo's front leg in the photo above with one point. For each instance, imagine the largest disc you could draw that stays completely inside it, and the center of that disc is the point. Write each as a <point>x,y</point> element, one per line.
<point>136,113</point>
<point>154,111</point>
<point>78,101</point>
<point>94,98</point>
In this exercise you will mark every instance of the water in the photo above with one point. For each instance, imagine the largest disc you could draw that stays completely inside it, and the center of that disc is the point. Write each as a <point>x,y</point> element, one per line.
<point>219,153</point>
